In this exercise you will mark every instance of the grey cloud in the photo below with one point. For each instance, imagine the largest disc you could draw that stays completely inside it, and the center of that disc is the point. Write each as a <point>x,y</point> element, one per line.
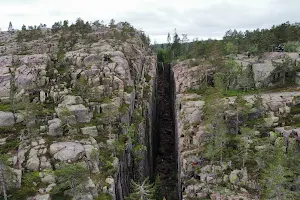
<point>18,15</point>
<point>19,1</point>
<point>63,15</point>
<point>199,22</point>
<point>56,13</point>
<point>215,20</point>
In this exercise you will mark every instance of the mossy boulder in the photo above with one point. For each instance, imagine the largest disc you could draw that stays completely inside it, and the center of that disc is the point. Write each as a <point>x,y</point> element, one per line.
<point>234,176</point>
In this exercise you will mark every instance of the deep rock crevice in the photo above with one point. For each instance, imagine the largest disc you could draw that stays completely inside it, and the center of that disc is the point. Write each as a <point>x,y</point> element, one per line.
<point>165,142</point>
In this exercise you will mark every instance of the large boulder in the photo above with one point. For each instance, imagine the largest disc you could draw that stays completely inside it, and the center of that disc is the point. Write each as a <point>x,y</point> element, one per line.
<point>25,77</point>
<point>92,131</point>
<point>40,197</point>
<point>71,100</point>
<point>6,119</point>
<point>55,127</point>
<point>31,71</point>
<point>65,151</point>
<point>261,72</point>
<point>81,113</point>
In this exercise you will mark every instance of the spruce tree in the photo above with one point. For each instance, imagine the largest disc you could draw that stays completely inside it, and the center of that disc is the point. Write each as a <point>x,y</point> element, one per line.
<point>216,128</point>
<point>142,191</point>
<point>70,176</point>
<point>157,188</point>
<point>275,179</point>
<point>10,27</point>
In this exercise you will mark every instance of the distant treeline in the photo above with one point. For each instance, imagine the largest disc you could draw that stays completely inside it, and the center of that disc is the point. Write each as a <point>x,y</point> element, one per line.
<point>255,42</point>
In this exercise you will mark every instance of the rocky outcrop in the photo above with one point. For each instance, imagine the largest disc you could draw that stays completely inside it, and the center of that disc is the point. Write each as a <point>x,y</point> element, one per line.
<point>263,68</point>
<point>191,77</point>
<point>199,177</point>
<point>69,98</point>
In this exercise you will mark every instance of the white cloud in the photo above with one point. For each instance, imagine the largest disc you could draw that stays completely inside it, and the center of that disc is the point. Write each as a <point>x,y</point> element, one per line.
<point>197,18</point>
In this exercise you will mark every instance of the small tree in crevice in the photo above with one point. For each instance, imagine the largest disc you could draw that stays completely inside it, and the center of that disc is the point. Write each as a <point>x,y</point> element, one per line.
<point>70,176</point>
<point>6,175</point>
<point>142,191</point>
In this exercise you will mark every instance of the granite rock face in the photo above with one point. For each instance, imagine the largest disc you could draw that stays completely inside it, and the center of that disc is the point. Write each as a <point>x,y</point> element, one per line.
<point>263,68</point>
<point>199,176</point>
<point>66,97</point>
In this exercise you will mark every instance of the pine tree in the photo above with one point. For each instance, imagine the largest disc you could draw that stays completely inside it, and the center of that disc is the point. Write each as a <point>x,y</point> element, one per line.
<point>216,129</point>
<point>70,176</point>
<point>10,27</point>
<point>283,69</point>
<point>275,179</point>
<point>244,146</point>
<point>169,39</point>
<point>112,23</point>
<point>230,71</point>
<point>23,28</point>
<point>175,46</point>
<point>6,175</point>
<point>241,109</point>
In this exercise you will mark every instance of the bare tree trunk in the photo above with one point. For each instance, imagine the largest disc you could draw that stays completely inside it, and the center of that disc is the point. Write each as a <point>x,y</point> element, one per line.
<point>237,122</point>
<point>228,83</point>
<point>173,55</point>
<point>221,161</point>
<point>72,185</point>
<point>243,162</point>
<point>12,94</point>
<point>3,181</point>
<point>206,76</point>
<point>245,158</point>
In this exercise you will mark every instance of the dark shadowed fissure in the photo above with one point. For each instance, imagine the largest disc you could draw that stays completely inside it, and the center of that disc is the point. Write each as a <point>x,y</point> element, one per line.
<point>166,152</point>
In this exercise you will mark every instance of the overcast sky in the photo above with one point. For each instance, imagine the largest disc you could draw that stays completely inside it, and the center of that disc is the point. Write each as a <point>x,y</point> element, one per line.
<point>197,18</point>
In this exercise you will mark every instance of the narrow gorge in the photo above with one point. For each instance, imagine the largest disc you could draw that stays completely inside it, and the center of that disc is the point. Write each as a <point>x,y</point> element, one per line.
<point>89,112</point>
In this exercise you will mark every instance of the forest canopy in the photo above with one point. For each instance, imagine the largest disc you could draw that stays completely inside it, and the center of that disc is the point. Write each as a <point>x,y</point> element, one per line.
<point>253,41</point>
